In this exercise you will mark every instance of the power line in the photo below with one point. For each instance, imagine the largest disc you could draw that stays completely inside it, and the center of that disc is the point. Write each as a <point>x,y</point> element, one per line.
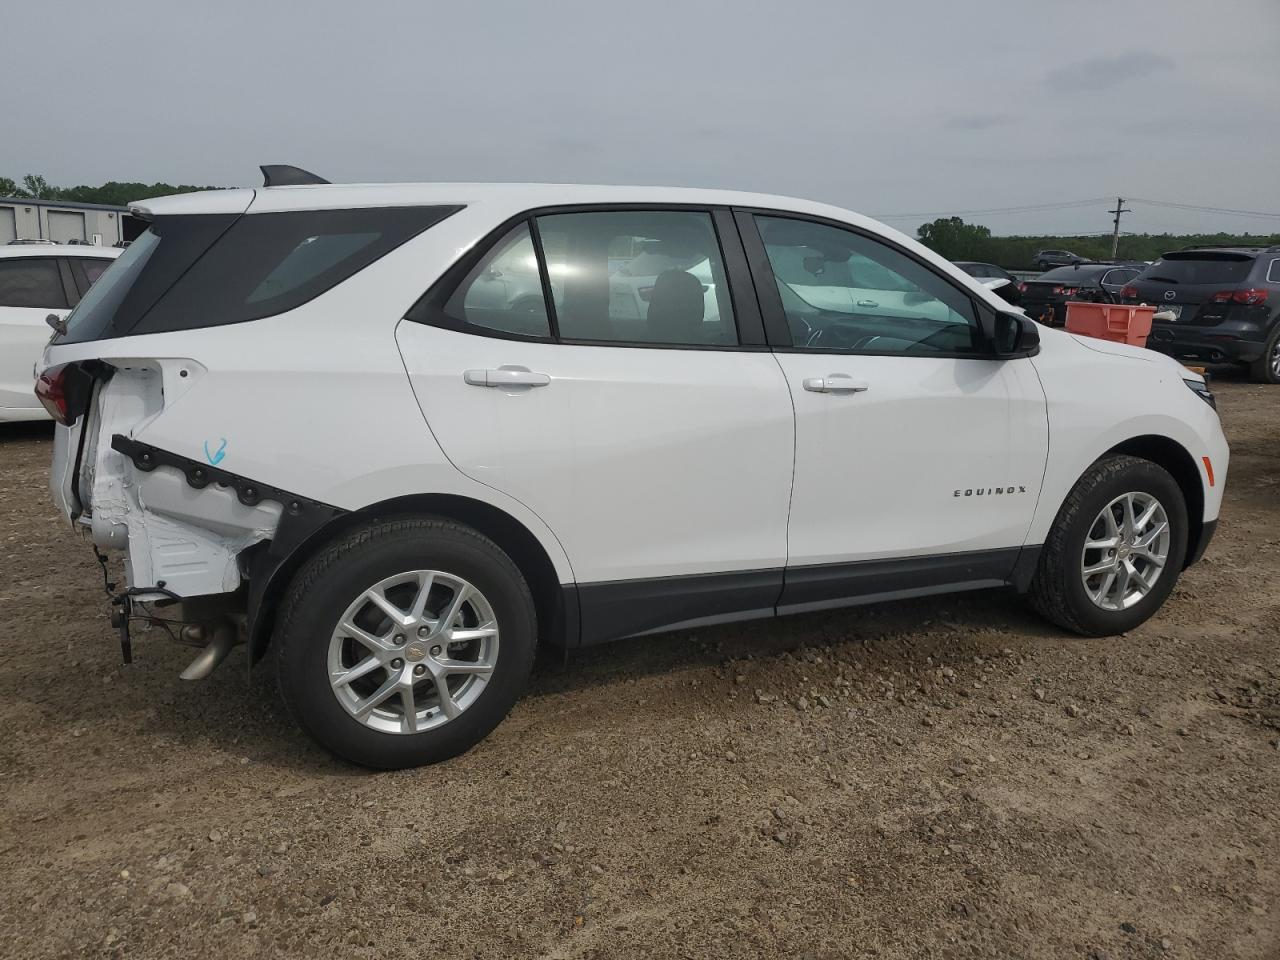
<point>1071,204</point>
<point>1191,206</point>
<point>1028,208</point>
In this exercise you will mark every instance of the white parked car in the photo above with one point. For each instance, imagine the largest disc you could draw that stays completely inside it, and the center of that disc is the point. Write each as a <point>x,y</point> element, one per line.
<point>37,279</point>
<point>289,411</point>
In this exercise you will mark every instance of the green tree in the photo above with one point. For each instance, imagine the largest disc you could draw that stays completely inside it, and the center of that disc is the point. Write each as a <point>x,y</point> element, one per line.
<point>955,239</point>
<point>8,188</point>
<point>37,188</point>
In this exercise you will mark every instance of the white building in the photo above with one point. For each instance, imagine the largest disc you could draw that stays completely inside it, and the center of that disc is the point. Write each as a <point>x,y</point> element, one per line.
<point>61,221</point>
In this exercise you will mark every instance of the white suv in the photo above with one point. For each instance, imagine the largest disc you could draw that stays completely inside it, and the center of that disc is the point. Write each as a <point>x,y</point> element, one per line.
<point>290,411</point>
<point>36,280</point>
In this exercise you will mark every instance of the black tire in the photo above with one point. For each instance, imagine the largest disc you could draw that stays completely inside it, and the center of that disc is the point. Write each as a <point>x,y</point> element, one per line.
<point>1043,265</point>
<point>1058,590</point>
<point>1263,370</point>
<point>323,589</point>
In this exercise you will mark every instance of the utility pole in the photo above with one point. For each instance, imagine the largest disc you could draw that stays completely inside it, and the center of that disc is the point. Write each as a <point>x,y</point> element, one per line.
<point>1115,235</point>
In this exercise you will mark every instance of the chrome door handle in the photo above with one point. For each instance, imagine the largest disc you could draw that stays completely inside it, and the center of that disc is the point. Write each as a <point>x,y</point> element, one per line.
<point>835,383</point>
<point>506,377</point>
<point>868,303</point>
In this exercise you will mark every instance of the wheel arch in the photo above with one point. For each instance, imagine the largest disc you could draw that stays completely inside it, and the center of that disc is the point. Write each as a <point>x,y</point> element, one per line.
<point>556,604</point>
<point>1181,465</point>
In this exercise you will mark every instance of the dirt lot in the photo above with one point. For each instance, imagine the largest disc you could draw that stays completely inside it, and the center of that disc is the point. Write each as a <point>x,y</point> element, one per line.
<point>949,778</point>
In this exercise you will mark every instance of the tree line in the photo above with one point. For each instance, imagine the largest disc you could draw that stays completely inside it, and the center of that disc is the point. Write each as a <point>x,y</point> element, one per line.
<point>957,240</point>
<point>114,193</point>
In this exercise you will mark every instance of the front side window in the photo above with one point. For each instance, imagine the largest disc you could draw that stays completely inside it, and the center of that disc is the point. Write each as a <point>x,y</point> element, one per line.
<point>843,291</point>
<point>638,276</point>
<point>503,292</point>
<point>31,282</point>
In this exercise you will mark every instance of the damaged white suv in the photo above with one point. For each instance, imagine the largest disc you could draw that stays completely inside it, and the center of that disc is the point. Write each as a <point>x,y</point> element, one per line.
<point>396,435</point>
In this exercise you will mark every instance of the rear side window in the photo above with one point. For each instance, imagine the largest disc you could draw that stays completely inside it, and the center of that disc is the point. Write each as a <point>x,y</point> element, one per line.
<point>1273,272</point>
<point>638,276</point>
<point>1200,268</point>
<point>187,272</point>
<point>503,292</point>
<point>31,282</point>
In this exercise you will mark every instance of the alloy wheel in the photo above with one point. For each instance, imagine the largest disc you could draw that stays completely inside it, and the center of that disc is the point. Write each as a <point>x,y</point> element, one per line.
<point>1125,551</point>
<point>413,651</point>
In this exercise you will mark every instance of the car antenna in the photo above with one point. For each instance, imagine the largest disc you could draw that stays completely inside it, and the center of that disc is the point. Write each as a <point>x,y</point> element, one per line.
<point>283,175</point>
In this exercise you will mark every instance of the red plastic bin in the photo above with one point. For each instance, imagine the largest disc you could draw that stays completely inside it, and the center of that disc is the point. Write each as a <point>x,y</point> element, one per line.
<point>1119,322</point>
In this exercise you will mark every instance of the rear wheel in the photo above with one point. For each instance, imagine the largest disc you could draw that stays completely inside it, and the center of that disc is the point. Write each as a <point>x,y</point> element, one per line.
<point>1115,550</point>
<point>1266,369</point>
<point>1043,265</point>
<point>406,643</point>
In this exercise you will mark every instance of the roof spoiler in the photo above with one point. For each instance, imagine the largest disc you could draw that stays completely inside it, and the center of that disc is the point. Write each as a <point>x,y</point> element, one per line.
<point>283,175</point>
<point>1223,246</point>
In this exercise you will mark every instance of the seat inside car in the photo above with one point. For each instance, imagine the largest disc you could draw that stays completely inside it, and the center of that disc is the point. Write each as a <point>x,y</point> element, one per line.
<point>675,308</point>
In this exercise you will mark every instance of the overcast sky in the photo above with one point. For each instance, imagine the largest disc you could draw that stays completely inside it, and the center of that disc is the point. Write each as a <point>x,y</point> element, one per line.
<point>885,107</point>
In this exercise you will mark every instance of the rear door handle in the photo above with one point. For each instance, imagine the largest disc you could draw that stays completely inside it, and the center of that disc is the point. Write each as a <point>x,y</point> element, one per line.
<point>868,303</point>
<point>506,377</point>
<point>835,383</point>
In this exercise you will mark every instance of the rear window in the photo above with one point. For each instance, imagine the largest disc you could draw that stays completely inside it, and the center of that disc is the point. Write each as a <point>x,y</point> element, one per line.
<point>1199,268</point>
<point>187,272</point>
<point>1061,274</point>
<point>31,282</point>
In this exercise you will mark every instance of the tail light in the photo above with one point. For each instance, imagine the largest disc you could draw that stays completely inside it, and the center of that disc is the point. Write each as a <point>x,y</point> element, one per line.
<point>51,389</point>
<point>1248,296</point>
<point>1022,287</point>
<point>1129,293</point>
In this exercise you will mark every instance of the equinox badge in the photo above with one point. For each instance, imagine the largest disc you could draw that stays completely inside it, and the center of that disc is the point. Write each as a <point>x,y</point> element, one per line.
<point>989,491</point>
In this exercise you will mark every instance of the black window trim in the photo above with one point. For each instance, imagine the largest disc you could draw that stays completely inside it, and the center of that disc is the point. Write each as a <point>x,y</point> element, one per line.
<point>429,308</point>
<point>62,281</point>
<point>775,320</point>
<point>69,289</point>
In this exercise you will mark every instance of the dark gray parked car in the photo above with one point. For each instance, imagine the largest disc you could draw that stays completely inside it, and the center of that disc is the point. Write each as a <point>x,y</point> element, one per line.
<point>1057,258</point>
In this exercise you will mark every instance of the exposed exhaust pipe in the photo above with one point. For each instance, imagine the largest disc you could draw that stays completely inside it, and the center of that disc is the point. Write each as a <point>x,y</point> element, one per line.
<point>207,660</point>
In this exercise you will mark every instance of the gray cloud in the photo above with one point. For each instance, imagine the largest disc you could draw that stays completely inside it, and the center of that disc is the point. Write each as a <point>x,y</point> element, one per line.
<point>859,103</point>
<point>980,121</point>
<point>1106,72</point>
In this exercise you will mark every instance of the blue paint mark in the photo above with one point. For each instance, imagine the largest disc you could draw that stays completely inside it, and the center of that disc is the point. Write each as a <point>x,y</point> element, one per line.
<point>215,458</point>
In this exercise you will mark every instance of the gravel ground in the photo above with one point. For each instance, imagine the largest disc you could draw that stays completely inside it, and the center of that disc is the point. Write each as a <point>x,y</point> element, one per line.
<point>943,778</point>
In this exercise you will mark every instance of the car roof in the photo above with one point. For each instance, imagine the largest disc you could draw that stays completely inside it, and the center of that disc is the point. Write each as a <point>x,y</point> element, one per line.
<point>58,250</point>
<point>517,195</point>
<point>1212,249</point>
<point>507,200</point>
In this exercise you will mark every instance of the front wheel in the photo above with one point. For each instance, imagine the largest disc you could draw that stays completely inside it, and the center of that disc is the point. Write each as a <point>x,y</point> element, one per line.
<point>405,643</point>
<point>1115,549</point>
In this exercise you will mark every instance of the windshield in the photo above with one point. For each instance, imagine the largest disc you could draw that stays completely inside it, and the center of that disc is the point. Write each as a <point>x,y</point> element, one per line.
<point>1200,268</point>
<point>91,317</point>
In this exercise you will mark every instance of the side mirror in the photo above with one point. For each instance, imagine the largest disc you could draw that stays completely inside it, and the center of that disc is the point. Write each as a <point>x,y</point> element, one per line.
<point>1015,335</point>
